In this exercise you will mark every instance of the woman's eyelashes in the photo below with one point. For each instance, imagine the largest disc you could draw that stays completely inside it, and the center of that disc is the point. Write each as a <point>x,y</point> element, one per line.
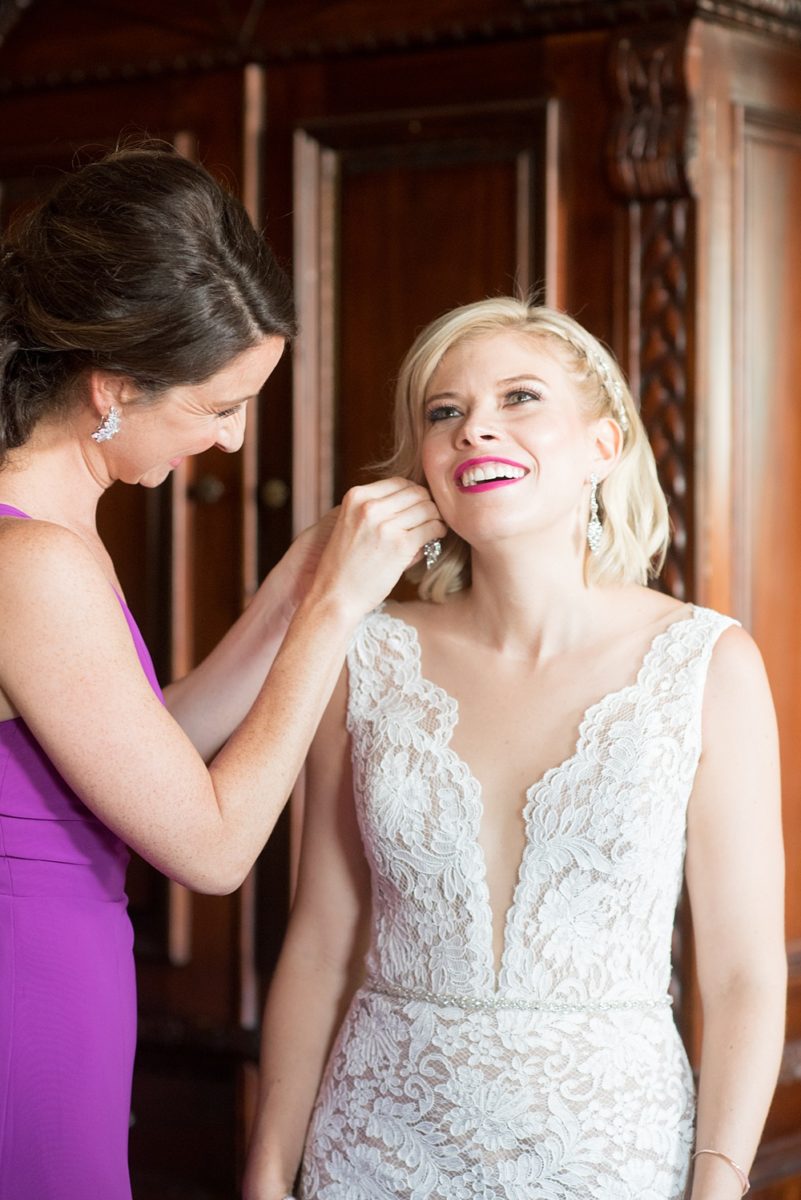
<point>523,396</point>
<point>228,412</point>
<point>513,398</point>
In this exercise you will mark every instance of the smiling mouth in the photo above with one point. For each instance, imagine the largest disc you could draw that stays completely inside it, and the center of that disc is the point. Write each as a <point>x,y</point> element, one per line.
<point>482,476</point>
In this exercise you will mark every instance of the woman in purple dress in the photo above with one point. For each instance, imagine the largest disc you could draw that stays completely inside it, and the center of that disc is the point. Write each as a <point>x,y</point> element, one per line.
<point>139,312</point>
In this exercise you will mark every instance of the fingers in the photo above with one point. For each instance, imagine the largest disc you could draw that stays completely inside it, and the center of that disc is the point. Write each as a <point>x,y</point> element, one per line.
<point>391,499</point>
<point>380,531</point>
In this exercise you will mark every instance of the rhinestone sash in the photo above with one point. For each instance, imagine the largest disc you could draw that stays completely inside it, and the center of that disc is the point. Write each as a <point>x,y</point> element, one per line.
<point>496,1003</point>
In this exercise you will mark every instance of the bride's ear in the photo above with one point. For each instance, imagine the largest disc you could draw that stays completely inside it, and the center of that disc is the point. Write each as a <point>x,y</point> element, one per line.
<point>607,445</point>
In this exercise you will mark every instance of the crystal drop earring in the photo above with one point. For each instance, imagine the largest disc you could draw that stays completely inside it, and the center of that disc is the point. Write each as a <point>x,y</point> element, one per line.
<point>594,527</point>
<point>432,552</point>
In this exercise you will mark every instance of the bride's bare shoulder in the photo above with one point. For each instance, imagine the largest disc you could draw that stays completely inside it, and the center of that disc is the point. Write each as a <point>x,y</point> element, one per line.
<point>641,607</point>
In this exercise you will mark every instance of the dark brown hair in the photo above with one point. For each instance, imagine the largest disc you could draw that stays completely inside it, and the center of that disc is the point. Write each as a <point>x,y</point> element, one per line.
<point>140,263</point>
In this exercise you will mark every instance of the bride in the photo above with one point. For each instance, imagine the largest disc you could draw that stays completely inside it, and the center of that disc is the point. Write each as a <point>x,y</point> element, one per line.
<point>472,999</point>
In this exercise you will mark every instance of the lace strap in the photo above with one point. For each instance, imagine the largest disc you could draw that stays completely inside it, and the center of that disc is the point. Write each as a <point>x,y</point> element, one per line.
<point>381,656</point>
<point>682,656</point>
<point>386,682</point>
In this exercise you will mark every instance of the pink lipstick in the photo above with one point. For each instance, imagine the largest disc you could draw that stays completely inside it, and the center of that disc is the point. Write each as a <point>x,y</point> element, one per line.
<point>471,476</point>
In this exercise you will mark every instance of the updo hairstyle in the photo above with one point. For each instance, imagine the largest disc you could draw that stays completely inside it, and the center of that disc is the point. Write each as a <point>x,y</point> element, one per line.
<point>140,263</point>
<point>632,505</point>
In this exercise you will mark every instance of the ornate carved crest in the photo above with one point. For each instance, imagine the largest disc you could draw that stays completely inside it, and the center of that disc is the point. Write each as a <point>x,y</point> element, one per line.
<point>652,140</point>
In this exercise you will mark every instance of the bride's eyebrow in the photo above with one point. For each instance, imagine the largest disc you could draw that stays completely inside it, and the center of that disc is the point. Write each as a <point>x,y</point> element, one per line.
<point>440,396</point>
<point>521,379</point>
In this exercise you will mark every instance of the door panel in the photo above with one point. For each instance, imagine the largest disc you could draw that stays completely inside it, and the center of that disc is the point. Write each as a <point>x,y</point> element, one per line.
<point>769,468</point>
<point>399,217</point>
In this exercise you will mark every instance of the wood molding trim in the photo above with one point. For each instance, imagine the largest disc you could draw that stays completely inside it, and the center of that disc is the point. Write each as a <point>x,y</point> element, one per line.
<point>316,190</point>
<point>367,27</point>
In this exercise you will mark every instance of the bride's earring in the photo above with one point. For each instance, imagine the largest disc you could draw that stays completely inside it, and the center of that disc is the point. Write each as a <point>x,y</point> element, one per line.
<point>432,552</point>
<point>109,427</point>
<point>594,527</point>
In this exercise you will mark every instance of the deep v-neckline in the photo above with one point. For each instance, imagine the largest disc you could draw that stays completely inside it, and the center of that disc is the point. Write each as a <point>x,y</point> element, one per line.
<point>498,972</point>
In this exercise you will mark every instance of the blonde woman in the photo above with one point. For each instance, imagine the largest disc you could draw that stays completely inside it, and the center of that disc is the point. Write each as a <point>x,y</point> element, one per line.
<point>472,998</point>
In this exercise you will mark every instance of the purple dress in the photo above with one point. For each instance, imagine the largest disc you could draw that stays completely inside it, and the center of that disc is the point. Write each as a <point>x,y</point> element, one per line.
<point>67,987</point>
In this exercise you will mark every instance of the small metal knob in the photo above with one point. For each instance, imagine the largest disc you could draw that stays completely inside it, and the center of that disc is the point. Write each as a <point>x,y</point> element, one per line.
<point>208,489</point>
<point>274,493</point>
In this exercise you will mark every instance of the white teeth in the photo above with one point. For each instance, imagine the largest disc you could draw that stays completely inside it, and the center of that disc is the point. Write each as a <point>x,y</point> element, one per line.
<point>489,471</point>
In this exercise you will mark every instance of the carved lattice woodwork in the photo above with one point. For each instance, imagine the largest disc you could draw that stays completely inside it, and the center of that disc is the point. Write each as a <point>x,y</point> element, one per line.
<point>664,371</point>
<point>649,158</point>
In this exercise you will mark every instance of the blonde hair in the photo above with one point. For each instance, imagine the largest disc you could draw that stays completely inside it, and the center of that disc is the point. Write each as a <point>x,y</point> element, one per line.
<point>633,507</point>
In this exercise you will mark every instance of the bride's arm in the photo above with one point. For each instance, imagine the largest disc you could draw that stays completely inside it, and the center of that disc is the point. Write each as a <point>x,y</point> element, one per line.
<point>319,965</point>
<point>735,876</point>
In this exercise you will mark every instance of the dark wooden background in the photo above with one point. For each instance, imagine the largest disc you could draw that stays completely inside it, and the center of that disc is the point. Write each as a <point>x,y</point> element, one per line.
<point>638,164</point>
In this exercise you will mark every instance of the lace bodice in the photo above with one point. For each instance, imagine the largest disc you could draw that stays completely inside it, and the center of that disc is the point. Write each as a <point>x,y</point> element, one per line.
<point>564,1078</point>
<point>593,908</point>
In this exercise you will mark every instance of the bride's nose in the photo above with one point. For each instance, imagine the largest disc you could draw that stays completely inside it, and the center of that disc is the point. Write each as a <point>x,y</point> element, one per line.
<point>475,429</point>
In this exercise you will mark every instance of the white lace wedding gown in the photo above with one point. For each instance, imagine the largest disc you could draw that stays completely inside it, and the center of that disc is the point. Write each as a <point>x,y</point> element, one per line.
<point>565,1077</point>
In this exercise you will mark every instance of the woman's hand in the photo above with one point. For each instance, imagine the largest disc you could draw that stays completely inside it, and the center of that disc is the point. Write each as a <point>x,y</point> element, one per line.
<point>380,530</point>
<point>381,511</point>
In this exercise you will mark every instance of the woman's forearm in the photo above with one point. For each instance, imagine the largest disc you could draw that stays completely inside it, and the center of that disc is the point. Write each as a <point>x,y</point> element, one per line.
<point>741,1052</point>
<point>214,698</point>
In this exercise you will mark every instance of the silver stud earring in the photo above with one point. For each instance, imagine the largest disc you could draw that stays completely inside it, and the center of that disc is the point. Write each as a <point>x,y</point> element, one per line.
<point>432,552</point>
<point>109,426</point>
<point>594,527</point>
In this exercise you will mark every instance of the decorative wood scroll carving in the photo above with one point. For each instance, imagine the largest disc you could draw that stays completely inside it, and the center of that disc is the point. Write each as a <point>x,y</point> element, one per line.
<point>651,140</point>
<point>649,163</point>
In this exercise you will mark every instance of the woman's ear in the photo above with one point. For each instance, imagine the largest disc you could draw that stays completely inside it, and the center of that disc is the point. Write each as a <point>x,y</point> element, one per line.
<point>106,390</point>
<point>607,445</point>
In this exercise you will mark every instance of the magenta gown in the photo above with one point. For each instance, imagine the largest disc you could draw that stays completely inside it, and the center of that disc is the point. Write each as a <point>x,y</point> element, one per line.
<point>67,987</point>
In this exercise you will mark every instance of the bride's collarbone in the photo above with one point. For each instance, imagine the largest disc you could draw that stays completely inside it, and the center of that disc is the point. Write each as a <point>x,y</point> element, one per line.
<point>516,719</point>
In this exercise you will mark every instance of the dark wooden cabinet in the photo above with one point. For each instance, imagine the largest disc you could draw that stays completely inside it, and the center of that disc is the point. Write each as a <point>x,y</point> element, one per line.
<point>638,165</point>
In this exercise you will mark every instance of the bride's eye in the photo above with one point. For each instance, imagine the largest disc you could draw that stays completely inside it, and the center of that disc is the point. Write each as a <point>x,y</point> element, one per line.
<point>522,396</point>
<point>441,412</point>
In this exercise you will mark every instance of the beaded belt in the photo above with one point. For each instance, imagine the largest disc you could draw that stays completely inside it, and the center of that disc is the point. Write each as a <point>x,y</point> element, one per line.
<point>495,1002</point>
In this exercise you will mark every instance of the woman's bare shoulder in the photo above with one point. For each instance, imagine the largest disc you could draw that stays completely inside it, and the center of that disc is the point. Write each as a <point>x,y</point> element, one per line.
<point>39,558</point>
